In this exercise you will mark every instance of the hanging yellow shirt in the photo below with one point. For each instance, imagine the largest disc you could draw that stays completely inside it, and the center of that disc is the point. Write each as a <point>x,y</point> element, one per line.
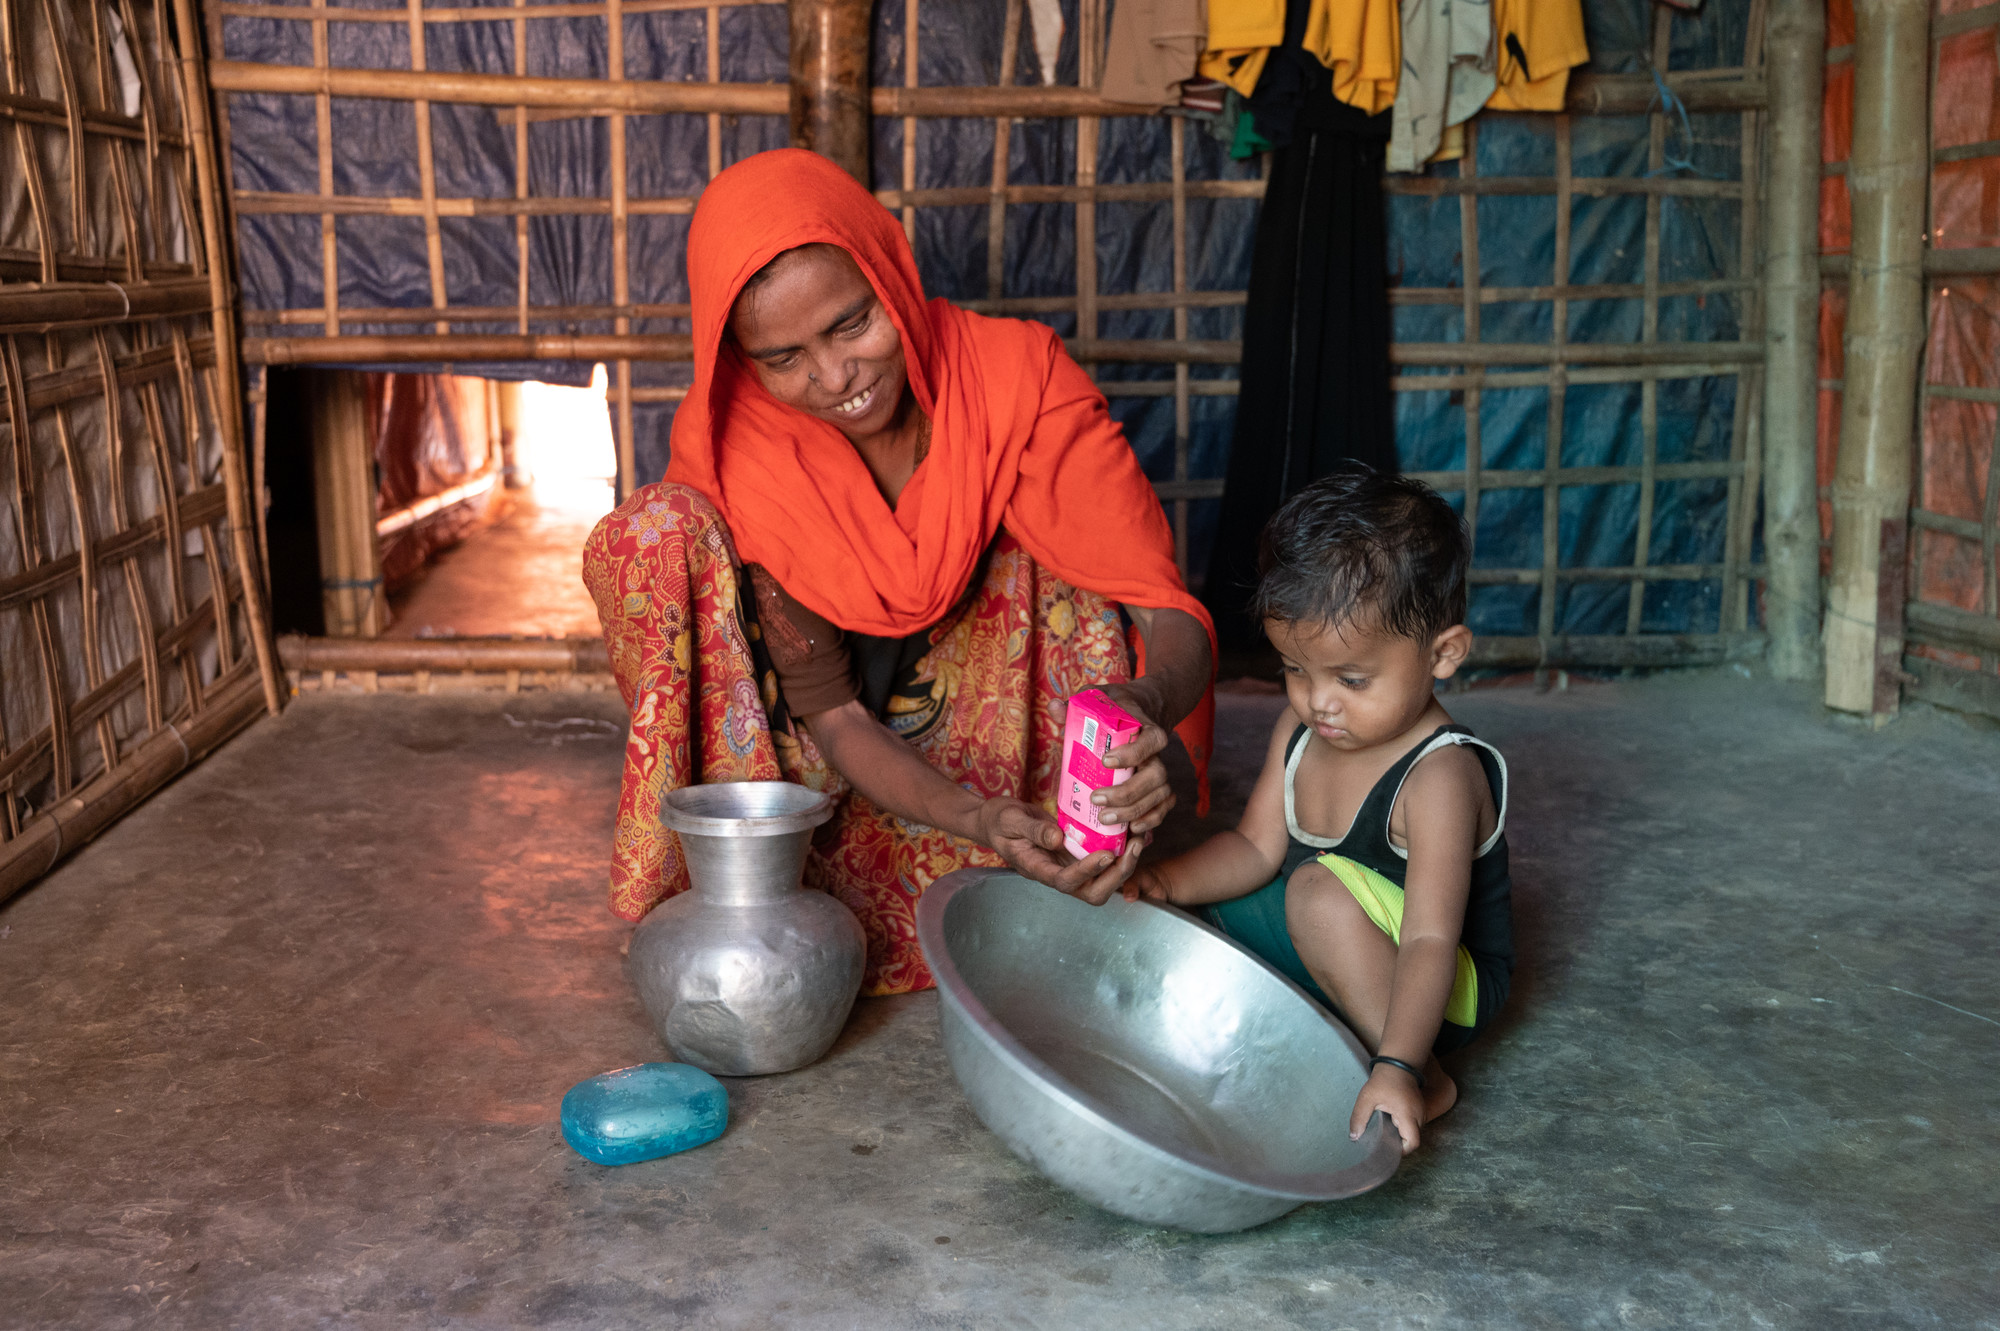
<point>1535,42</point>
<point>1241,34</point>
<point>1361,41</point>
<point>1235,24</point>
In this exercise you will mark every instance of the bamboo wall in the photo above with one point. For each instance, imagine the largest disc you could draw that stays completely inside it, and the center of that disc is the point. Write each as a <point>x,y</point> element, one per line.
<point>132,633</point>
<point>1200,368</point>
<point>1952,617</point>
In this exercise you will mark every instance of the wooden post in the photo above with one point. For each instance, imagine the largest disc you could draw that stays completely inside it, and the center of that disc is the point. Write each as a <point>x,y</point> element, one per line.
<point>228,377</point>
<point>829,87</point>
<point>507,431</point>
<point>350,566</point>
<point>1796,71</point>
<point>1887,178</point>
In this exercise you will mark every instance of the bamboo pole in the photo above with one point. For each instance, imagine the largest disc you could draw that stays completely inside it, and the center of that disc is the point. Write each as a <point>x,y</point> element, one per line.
<point>264,202</point>
<point>507,403</point>
<point>1600,94</point>
<point>912,65</point>
<point>1887,177</point>
<point>1615,651</point>
<point>619,389</point>
<point>1649,331</point>
<point>827,98</point>
<point>449,14</point>
<point>344,501</point>
<point>1746,435</point>
<point>419,348</point>
<point>1183,399</point>
<point>1128,300</point>
<point>996,204</point>
<point>1949,626</point>
<point>580,656</point>
<point>523,243</point>
<point>1937,263</point>
<point>712,30</point>
<point>329,237</point>
<point>411,514</point>
<point>591,96</point>
<point>427,167</point>
<point>1795,72</point>
<point>431,348</point>
<point>1089,63</point>
<point>1469,281</point>
<point>1589,94</point>
<point>43,308</point>
<point>228,371</point>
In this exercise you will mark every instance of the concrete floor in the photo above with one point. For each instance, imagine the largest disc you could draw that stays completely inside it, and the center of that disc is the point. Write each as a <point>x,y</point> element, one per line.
<point>521,576</point>
<point>284,1049</point>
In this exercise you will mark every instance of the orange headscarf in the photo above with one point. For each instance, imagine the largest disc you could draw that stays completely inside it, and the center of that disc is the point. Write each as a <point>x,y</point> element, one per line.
<point>1020,437</point>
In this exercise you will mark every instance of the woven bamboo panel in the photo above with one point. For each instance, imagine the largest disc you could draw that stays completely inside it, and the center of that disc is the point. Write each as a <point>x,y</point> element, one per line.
<point>1200,368</point>
<point>130,611</point>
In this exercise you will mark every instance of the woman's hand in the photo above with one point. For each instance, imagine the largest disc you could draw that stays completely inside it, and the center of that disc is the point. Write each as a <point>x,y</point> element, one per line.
<point>1031,842</point>
<point>1142,801</point>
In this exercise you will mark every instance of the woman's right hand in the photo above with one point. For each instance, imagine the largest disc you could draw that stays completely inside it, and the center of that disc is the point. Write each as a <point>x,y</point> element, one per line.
<point>1031,842</point>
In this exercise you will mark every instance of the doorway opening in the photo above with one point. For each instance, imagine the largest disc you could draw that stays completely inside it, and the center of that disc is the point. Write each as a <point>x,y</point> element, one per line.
<point>521,574</point>
<point>404,506</point>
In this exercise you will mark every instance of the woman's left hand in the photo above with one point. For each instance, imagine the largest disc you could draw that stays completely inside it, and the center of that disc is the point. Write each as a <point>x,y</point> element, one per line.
<point>1142,801</point>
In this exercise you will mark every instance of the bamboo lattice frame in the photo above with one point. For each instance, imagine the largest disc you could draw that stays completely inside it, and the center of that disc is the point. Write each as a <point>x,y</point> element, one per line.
<point>1473,365</point>
<point>131,638</point>
<point>1976,634</point>
<point>1950,627</point>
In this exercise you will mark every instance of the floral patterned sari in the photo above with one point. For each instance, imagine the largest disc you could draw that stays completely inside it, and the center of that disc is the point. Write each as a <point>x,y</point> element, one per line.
<point>984,707</point>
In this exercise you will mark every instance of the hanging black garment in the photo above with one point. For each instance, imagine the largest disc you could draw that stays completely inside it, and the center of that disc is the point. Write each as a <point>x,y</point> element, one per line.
<point>1291,76</point>
<point>1315,376</point>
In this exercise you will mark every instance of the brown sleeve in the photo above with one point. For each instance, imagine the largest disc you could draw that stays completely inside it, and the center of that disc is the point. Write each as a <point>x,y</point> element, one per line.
<point>810,654</point>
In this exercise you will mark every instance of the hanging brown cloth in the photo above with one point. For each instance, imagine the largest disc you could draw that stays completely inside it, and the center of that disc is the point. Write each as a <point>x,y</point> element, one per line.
<point>1152,49</point>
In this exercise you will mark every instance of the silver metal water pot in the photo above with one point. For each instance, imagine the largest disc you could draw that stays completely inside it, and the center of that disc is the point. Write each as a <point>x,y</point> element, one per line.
<point>748,972</point>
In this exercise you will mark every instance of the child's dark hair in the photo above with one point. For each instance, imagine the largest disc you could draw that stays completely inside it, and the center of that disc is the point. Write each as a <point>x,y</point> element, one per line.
<point>1360,543</point>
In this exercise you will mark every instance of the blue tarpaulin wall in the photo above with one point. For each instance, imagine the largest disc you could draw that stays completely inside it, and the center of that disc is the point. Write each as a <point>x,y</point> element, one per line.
<point>382,259</point>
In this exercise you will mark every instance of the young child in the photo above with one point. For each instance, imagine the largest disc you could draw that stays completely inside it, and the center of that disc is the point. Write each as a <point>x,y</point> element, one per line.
<point>1371,864</point>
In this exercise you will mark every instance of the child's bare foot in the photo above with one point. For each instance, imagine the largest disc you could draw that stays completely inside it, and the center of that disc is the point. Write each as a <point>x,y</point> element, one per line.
<point>1440,1091</point>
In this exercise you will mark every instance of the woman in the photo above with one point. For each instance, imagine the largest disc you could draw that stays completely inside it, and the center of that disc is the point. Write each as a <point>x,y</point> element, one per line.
<point>895,536</point>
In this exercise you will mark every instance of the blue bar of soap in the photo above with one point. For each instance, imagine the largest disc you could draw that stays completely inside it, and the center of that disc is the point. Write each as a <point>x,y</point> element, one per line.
<point>643,1112</point>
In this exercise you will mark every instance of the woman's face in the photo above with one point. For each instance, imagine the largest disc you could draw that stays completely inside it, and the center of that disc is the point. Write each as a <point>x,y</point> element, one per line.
<point>821,340</point>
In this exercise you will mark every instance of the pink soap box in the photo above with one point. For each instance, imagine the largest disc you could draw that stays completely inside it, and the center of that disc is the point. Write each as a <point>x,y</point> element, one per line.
<point>1096,726</point>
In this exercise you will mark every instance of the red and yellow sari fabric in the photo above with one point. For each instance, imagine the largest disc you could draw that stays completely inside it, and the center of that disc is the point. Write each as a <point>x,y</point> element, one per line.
<point>984,707</point>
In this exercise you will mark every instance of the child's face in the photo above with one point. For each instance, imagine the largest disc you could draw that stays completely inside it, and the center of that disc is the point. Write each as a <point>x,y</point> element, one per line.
<point>1358,686</point>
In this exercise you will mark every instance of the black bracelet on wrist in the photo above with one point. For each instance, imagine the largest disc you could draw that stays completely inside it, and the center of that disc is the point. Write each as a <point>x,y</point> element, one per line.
<point>1380,1059</point>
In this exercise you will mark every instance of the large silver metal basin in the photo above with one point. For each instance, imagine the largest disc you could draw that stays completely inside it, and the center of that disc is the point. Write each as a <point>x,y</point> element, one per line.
<point>1142,1060</point>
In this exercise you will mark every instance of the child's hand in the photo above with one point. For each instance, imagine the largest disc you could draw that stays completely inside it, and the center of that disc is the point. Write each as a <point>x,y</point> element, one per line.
<point>1396,1093</point>
<point>1146,882</point>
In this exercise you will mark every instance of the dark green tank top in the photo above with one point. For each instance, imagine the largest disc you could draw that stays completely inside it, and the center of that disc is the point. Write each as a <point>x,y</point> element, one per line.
<point>1489,914</point>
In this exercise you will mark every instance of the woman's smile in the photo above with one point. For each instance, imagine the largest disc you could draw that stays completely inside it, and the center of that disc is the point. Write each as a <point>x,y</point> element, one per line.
<point>859,403</point>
